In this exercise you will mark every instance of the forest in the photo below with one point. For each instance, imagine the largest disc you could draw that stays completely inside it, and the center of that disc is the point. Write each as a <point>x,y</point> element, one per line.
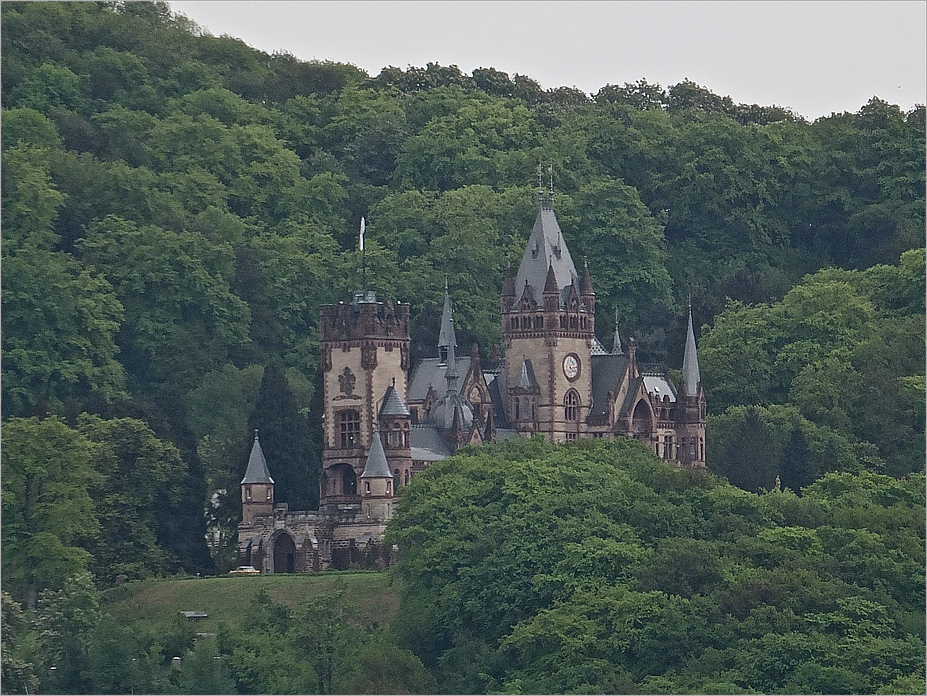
<point>176,207</point>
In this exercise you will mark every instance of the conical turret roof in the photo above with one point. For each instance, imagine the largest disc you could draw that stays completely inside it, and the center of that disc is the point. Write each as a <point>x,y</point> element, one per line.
<point>690,373</point>
<point>393,403</point>
<point>585,285</point>
<point>257,471</point>
<point>376,466</point>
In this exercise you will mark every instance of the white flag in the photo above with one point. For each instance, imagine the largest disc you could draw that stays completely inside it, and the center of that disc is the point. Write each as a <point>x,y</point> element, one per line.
<point>363,226</point>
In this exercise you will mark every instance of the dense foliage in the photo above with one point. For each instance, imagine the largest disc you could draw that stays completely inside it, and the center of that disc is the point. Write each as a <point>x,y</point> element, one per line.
<point>176,206</point>
<point>595,568</point>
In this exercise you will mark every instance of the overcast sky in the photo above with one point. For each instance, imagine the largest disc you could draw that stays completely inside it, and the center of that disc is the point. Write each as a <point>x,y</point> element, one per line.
<point>815,57</point>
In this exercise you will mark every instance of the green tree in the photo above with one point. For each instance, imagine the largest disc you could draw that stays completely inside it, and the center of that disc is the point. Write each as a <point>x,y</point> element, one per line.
<point>48,514</point>
<point>140,480</point>
<point>286,441</point>
<point>60,323</point>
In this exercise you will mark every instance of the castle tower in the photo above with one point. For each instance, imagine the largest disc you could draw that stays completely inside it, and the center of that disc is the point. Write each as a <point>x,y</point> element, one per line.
<point>395,433</point>
<point>548,329</point>
<point>377,483</point>
<point>690,417</point>
<point>365,350</point>
<point>257,487</point>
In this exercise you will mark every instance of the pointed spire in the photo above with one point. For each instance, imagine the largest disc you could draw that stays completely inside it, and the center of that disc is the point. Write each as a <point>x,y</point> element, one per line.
<point>690,373</point>
<point>447,337</point>
<point>616,343</point>
<point>585,285</point>
<point>550,284</point>
<point>257,471</point>
<point>376,466</point>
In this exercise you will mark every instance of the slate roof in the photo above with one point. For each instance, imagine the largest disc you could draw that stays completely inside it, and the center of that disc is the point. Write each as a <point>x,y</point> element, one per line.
<point>597,347</point>
<point>690,374</point>
<point>633,386</point>
<point>526,378</point>
<point>546,250</point>
<point>431,372</point>
<point>257,471</point>
<point>607,373</point>
<point>393,405</point>
<point>427,445</point>
<point>498,404</point>
<point>659,386</point>
<point>376,466</point>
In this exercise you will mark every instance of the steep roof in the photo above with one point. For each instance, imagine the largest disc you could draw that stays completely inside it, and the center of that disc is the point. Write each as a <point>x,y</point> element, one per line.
<point>546,250</point>
<point>526,378</point>
<point>607,372</point>
<point>430,372</point>
<point>393,405</point>
<point>257,471</point>
<point>427,445</point>
<point>376,466</point>
<point>690,373</point>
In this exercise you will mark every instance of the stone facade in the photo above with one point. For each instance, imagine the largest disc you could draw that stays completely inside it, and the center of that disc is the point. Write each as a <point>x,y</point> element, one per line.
<point>383,423</point>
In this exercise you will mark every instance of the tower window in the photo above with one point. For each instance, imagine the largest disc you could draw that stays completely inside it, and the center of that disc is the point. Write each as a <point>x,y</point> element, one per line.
<point>247,492</point>
<point>350,428</point>
<point>571,406</point>
<point>268,493</point>
<point>517,409</point>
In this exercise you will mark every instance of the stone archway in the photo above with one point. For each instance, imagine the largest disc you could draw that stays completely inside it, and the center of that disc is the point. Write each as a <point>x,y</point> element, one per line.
<point>284,554</point>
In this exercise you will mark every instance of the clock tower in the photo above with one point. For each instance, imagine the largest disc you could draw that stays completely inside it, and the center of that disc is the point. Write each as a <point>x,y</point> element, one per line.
<point>548,328</point>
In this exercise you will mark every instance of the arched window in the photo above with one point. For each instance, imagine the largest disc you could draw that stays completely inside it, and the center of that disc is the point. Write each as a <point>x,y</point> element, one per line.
<point>571,406</point>
<point>406,478</point>
<point>349,422</point>
<point>517,409</point>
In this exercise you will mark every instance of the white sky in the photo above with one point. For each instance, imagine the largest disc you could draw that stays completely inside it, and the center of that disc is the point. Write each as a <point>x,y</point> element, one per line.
<point>815,57</point>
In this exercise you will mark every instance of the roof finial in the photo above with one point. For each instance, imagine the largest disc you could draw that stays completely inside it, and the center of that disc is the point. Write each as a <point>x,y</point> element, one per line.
<point>550,170</point>
<point>255,433</point>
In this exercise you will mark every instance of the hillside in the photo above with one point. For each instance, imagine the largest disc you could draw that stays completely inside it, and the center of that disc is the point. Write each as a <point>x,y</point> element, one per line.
<point>176,208</point>
<point>156,603</point>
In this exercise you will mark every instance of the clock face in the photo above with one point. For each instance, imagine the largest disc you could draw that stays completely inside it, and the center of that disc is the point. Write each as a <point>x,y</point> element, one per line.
<point>571,367</point>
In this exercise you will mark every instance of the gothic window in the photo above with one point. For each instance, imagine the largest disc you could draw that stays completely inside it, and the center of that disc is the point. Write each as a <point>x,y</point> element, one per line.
<point>406,478</point>
<point>571,406</point>
<point>396,477</point>
<point>350,428</point>
<point>268,492</point>
<point>517,409</point>
<point>247,492</point>
<point>692,449</point>
<point>366,486</point>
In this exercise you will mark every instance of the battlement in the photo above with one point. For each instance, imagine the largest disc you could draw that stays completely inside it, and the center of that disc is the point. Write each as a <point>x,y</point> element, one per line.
<point>364,318</point>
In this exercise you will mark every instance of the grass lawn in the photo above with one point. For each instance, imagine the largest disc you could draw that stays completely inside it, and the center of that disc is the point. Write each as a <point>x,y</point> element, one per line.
<point>370,597</point>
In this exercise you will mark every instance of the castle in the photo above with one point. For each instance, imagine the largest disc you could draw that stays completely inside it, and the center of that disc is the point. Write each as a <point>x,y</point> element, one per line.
<point>383,423</point>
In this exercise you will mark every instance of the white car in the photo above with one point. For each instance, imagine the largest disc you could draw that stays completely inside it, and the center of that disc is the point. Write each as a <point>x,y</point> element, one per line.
<point>245,570</point>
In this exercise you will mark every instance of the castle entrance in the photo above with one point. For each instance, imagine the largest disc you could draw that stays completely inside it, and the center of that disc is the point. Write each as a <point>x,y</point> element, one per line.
<point>284,554</point>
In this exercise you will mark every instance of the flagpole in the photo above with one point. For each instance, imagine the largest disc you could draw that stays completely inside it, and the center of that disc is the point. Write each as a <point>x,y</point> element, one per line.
<point>363,225</point>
